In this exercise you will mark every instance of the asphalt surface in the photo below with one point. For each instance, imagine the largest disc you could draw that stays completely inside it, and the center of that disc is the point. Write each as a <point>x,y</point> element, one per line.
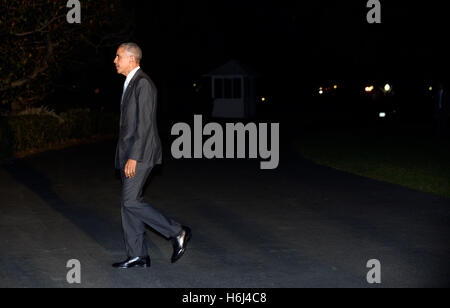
<point>300,225</point>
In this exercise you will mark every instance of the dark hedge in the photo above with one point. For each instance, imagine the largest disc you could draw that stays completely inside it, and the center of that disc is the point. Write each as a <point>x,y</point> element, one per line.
<point>27,132</point>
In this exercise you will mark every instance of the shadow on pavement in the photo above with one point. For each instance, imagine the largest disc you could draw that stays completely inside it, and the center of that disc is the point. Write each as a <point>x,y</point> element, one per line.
<point>88,220</point>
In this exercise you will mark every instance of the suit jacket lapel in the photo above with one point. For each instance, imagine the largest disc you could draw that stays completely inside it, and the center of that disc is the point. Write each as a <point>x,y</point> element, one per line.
<point>129,87</point>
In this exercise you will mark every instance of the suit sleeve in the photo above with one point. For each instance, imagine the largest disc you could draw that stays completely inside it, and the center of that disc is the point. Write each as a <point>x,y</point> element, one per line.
<point>145,108</point>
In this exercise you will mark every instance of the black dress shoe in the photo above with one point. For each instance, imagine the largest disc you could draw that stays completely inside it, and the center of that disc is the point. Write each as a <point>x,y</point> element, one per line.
<point>134,262</point>
<point>179,243</point>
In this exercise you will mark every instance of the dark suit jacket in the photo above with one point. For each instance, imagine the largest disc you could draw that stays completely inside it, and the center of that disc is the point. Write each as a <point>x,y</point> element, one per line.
<point>138,137</point>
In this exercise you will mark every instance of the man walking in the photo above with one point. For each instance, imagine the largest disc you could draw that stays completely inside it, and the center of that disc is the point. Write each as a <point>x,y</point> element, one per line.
<point>138,150</point>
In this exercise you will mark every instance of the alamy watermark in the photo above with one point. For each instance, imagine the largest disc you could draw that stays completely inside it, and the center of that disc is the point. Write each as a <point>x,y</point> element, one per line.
<point>374,15</point>
<point>374,275</point>
<point>213,147</point>
<point>74,274</point>
<point>74,15</point>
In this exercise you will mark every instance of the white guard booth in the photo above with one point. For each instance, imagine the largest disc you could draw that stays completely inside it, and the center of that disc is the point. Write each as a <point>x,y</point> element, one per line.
<point>233,91</point>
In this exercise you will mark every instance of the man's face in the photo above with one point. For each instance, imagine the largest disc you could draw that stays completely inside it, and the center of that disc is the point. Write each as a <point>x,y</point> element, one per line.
<point>123,61</point>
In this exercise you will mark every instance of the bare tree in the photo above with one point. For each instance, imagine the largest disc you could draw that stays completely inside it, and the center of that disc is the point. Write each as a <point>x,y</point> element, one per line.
<point>37,41</point>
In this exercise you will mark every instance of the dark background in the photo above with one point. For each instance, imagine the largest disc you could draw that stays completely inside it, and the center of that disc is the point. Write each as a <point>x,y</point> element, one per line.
<point>302,224</point>
<point>296,47</point>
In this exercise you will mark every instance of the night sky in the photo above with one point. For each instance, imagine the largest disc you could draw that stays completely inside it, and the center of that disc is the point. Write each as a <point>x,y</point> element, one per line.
<point>295,46</point>
<point>324,37</point>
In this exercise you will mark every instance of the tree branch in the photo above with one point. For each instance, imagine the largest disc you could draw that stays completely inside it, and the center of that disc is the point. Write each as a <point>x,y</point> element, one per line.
<point>41,29</point>
<point>40,68</point>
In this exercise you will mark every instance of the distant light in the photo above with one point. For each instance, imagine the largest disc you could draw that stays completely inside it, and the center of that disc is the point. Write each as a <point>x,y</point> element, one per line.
<point>430,88</point>
<point>369,89</point>
<point>321,91</point>
<point>387,87</point>
<point>335,86</point>
<point>263,99</point>
<point>382,115</point>
<point>194,85</point>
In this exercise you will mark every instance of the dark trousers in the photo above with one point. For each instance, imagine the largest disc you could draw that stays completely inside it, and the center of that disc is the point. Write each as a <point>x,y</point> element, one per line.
<point>136,214</point>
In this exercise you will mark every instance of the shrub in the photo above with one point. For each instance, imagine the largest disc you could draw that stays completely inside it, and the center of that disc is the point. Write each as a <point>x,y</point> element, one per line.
<point>31,131</point>
<point>43,110</point>
<point>79,123</point>
<point>41,128</point>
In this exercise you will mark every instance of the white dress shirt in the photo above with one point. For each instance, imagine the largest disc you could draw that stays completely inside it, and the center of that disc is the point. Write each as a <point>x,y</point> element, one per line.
<point>128,79</point>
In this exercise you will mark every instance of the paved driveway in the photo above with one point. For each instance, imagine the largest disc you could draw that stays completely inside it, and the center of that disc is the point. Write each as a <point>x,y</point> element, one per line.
<point>301,225</point>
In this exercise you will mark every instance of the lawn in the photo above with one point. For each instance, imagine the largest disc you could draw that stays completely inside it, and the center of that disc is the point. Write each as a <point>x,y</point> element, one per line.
<point>410,156</point>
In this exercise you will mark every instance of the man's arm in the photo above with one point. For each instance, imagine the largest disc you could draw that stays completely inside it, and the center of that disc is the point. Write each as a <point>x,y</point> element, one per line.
<point>145,107</point>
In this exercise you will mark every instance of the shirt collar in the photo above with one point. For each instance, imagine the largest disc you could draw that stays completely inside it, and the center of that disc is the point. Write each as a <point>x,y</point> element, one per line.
<point>131,75</point>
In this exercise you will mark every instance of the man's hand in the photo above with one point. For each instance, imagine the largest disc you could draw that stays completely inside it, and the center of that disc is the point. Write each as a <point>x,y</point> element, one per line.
<point>130,168</point>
